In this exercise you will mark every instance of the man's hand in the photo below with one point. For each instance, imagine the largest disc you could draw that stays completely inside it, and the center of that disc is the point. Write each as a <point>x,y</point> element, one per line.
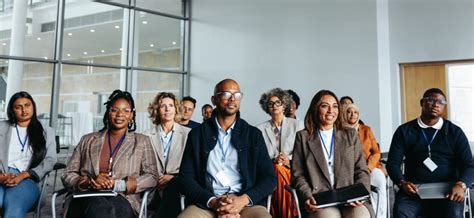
<point>15,179</point>
<point>232,204</point>
<point>409,188</point>
<point>457,193</point>
<point>310,205</point>
<point>5,176</point>
<point>163,180</point>
<point>102,181</point>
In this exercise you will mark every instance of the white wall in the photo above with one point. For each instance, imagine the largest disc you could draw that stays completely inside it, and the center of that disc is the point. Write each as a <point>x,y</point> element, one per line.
<point>308,45</point>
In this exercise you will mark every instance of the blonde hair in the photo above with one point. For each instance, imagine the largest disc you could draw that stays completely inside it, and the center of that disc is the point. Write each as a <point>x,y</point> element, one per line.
<point>154,107</point>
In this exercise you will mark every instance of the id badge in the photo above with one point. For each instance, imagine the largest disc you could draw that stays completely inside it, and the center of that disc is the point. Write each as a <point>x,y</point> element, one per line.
<point>430,164</point>
<point>222,178</point>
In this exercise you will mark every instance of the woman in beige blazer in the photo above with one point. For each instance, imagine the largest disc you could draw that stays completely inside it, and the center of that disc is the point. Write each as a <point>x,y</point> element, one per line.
<point>168,139</point>
<point>279,134</point>
<point>327,156</point>
<point>113,158</point>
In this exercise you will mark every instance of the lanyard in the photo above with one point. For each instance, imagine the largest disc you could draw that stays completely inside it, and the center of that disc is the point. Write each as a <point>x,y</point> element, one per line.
<point>112,152</point>
<point>221,145</point>
<point>329,153</point>
<point>429,142</point>
<point>23,143</point>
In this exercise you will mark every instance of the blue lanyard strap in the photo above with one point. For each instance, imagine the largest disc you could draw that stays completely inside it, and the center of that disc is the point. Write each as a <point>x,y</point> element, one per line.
<point>112,152</point>
<point>23,143</point>
<point>221,145</point>
<point>429,142</point>
<point>329,153</point>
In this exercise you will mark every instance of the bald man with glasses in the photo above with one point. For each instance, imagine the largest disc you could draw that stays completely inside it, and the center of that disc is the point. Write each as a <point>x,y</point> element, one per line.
<point>433,150</point>
<point>226,170</point>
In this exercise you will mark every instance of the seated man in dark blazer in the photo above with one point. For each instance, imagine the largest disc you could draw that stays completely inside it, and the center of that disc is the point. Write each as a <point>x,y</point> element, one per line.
<point>435,150</point>
<point>226,169</point>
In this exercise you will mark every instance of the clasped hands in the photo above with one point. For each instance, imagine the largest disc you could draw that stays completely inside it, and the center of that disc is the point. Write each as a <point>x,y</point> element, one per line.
<point>102,181</point>
<point>229,206</point>
<point>456,193</point>
<point>282,159</point>
<point>311,207</point>
<point>10,179</point>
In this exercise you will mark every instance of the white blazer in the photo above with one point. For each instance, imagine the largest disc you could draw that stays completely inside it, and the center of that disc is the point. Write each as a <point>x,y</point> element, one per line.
<point>289,127</point>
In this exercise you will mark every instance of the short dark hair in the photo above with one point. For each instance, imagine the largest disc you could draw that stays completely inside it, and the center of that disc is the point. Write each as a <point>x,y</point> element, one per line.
<point>206,105</point>
<point>295,97</point>
<point>191,99</point>
<point>433,91</point>
<point>346,97</point>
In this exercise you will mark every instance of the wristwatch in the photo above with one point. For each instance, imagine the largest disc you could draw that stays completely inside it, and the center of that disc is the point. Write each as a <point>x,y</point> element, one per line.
<point>462,184</point>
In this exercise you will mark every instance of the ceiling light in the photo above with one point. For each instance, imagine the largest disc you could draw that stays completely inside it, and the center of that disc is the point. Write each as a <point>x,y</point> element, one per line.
<point>174,43</point>
<point>116,26</point>
<point>121,49</point>
<point>144,22</point>
<point>92,30</point>
<point>85,53</point>
<point>102,51</point>
<point>152,45</point>
<point>46,58</point>
<point>4,43</point>
<point>69,34</point>
<point>39,38</point>
<point>69,55</point>
<point>6,62</point>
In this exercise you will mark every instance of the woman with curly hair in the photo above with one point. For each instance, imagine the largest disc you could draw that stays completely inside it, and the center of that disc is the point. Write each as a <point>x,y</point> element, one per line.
<point>28,151</point>
<point>168,139</point>
<point>114,158</point>
<point>279,134</point>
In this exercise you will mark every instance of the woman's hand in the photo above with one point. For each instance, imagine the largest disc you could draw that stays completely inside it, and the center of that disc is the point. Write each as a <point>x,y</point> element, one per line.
<point>310,205</point>
<point>5,176</point>
<point>102,181</point>
<point>163,180</point>
<point>282,159</point>
<point>15,179</point>
<point>356,203</point>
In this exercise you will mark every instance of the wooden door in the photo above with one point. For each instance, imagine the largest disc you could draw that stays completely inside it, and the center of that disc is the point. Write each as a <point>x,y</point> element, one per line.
<point>415,80</point>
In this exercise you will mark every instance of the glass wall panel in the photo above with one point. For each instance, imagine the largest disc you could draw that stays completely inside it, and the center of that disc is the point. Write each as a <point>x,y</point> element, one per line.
<point>174,7</point>
<point>150,83</point>
<point>93,33</point>
<point>159,41</point>
<point>38,27</point>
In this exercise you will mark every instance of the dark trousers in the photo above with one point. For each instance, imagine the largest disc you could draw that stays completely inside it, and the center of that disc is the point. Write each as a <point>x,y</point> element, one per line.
<point>168,205</point>
<point>100,207</point>
<point>408,207</point>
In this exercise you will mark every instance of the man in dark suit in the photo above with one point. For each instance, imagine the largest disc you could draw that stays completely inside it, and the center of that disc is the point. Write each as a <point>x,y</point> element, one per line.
<point>226,169</point>
<point>435,150</point>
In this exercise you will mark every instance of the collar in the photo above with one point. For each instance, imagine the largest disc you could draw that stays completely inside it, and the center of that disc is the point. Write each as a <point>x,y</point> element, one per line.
<point>162,132</point>
<point>437,125</point>
<point>222,130</point>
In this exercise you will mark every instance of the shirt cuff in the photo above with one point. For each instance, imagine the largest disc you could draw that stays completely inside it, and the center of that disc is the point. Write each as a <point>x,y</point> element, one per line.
<point>120,186</point>
<point>250,202</point>
<point>209,201</point>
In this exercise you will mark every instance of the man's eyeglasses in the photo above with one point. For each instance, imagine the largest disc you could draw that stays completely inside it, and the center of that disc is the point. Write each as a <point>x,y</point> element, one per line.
<point>276,103</point>
<point>115,110</point>
<point>433,101</point>
<point>226,95</point>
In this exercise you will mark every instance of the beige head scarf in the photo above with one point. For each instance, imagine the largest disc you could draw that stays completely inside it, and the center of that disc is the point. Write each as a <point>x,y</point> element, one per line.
<point>345,117</point>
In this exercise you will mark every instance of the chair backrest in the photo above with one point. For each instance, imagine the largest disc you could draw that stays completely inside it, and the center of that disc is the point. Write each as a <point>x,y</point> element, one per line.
<point>58,145</point>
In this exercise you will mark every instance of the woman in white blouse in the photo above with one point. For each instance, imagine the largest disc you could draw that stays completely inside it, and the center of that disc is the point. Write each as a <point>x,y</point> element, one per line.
<point>27,152</point>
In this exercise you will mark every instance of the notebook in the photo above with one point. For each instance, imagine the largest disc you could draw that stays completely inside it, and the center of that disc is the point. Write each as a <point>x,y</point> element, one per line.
<point>437,190</point>
<point>343,195</point>
<point>95,193</point>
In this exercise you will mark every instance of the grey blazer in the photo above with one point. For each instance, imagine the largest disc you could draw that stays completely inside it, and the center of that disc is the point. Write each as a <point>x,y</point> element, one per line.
<point>178,142</point>
<point>309,168</point>
<point>289,127</point>
<point>49,160</point>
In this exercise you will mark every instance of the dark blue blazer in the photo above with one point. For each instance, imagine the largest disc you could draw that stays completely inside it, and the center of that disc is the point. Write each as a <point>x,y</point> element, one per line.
<point>256,168</point>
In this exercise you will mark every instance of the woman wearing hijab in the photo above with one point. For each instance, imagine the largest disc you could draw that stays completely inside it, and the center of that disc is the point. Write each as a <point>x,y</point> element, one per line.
<point>115,158</point>
<point>27,152</point>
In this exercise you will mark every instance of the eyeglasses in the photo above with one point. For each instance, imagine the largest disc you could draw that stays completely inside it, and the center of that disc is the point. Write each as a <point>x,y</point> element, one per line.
<point>276,103</point>
<point>115,110</point>
<point>433,101</point>
<point>226,95</point>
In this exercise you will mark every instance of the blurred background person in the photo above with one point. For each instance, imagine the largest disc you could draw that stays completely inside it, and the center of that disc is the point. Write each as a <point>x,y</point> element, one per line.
<point>346,100</point>
<point>168,139</point>
<point>370,148</point>
<point>28,151</point>
<point>279,134</point>
<point>206,111</point>
<point>187,106</point>
<point>291,112</point>
<point>114,158</point>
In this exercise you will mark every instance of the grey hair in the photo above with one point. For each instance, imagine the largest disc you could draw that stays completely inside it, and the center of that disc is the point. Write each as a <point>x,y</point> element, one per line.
<point>281,94</point>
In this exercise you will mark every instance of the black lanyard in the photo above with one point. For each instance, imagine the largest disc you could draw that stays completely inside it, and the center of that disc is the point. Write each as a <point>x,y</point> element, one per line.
<point>23,143</point>
<point>112,152</point>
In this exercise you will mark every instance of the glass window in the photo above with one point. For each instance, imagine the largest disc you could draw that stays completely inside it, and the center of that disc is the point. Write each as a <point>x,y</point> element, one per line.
<point>461,97</point>
<point>93,33</point>
<point>37,39</point>
<point>150,84</point>
<point>174,7</point>
<point>159,41</point>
